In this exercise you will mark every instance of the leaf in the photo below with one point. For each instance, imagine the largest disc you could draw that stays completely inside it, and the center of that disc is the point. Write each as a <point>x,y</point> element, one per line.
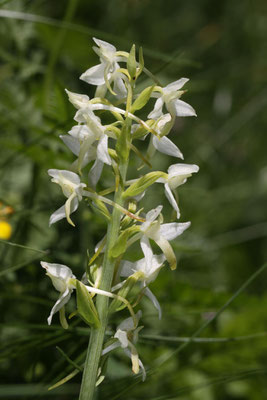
<point>85,305</point>
<point>143,183</point>
<point>142,99</point>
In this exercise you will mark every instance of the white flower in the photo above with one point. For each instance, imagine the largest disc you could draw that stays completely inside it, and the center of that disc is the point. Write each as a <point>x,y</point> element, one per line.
<point>170,95</point>
<point>127,335</point>
<point>72,188</point>
<point>88,145</point>
<point>63,281</point>
<point>161,234</point>
<point>163,144</point>
<point>150,273</point>
<point>103,74</point>
<point>177,175</point>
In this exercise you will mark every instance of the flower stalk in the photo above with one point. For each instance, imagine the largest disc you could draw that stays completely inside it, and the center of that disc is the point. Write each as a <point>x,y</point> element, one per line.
<point>94,351</point>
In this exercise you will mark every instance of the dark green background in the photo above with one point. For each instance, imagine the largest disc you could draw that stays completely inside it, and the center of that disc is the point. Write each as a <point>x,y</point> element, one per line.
<point>222,48</point>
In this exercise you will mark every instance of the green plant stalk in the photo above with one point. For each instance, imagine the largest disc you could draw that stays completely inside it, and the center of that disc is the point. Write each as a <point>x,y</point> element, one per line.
<point>97,335</point>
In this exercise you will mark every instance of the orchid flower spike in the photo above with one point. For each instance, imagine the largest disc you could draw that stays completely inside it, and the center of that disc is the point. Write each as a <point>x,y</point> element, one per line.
<point>64,281</point>
<point>72,188</point>
<point>177,176</point>
<point>170,95</point>
<point>161,234</point>
<point>127,336</point>
<point>150,273</point>
<point>107,72</point>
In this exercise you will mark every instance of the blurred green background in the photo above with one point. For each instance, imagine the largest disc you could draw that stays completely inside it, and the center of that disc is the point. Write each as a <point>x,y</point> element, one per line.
<point>222,48</point>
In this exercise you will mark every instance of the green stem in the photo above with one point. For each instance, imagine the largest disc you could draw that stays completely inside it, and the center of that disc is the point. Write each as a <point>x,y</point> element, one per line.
<point>97,335</point>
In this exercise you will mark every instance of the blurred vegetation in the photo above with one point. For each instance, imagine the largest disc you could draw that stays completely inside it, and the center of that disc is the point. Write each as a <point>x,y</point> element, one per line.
<point>221,47</point>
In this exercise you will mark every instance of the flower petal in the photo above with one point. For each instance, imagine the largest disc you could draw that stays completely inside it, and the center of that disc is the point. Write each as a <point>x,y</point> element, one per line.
<point>105,45</point>
<point>176,85</point>
<point>153,214</point>
<point>147,250</point>
<point>174,229</point>
<point>141,365</point>
<point>130,355</point>
<point>157,110</point>
<point>183,109</point>
<point>119,87</point>
<point>81,132</point>
<point>95,173</point>
<point>78,100</point>
<point>59,174</point>
<point>60,213</point>
<point>128,268</point>
<point>154,300</point>
<point>57,215</point>
<point>62,300</point>
<point>57,271</point>
<point>166,146</point>
<point>182,169</point>
<point>102,150</point>
<point>171,199</point>
<point>167,250</point>
<point>111,347</point>
<point>94,75</point>
<point>121,335</point>
<point>72,143</point>
<point>178,174</point>
<point>128,323</point>
<point>70,206</point>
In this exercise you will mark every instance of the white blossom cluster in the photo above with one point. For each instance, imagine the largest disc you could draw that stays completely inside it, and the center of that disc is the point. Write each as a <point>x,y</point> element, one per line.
<point>94,145</point>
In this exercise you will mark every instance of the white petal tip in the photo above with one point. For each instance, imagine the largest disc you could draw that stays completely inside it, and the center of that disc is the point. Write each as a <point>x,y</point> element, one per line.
<point>43,264</point>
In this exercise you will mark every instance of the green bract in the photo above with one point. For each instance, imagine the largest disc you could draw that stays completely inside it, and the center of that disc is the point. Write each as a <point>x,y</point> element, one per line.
<point>142,99</point>
<point>131,63</point>
<point>143,183</point>
<point>85,305</point>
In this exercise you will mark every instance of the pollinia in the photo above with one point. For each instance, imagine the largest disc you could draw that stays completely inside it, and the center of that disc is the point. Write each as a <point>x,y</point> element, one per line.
<point>112,283</point>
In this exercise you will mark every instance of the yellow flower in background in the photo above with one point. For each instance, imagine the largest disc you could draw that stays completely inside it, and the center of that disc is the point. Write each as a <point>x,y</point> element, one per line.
<point>5,230</point>
<point>5,227</point>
